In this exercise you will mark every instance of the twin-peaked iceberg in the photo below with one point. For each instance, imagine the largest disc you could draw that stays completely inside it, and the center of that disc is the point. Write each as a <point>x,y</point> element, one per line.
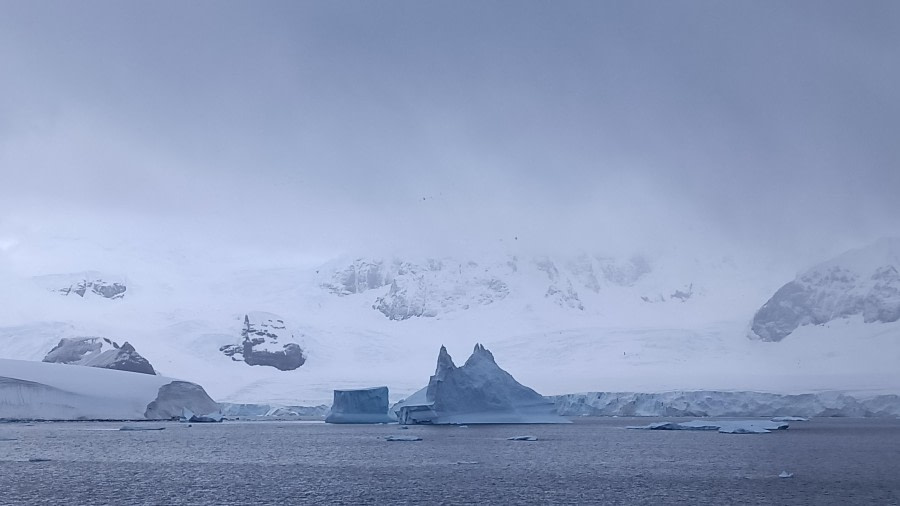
<point>477,392</point>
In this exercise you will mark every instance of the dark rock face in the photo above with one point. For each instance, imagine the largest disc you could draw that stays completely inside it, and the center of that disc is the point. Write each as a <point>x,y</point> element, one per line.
<point>99,352</point>
<point>263,343</point>
<point>97,286</point>
<point>176,397</point>
<point>863,282</point>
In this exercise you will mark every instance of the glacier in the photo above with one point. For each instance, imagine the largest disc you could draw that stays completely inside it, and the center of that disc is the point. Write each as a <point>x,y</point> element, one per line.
<point>727,404</point>
<point>366,405</point>
<point>47,391</point>
<point>479,391</point>
<point>179,312</point>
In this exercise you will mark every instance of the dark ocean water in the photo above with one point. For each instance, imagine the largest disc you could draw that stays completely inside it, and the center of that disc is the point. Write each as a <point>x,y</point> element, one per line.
<point>593,461</point>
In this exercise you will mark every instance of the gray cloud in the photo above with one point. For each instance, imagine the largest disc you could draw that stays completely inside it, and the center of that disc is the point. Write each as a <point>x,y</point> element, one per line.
<point>331,125</point>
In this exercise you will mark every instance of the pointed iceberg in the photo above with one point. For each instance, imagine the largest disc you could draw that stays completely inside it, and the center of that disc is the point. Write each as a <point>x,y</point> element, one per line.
<point>477,392</point>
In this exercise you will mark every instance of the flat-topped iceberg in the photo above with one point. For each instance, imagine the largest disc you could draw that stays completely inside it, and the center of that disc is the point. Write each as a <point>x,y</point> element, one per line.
<point>723,426</point>
<point>46,391</point>
<point>366,405</point>
<point>477,392</point>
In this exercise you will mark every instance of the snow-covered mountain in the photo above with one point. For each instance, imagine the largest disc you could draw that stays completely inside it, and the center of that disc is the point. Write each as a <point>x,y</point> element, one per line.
<point>864,282</point>
<point>660,321</point>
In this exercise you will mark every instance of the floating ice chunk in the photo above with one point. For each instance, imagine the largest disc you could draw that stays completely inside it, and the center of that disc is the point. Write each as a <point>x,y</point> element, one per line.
<point>139,428</point>
<point>723,426</point>
<point>522,438</point>
<point>790,419</point>
<point>367,405</point>
<point>785,474</point>
<point>402,438</point>
<point>466,462</point>
<point>191,417</point>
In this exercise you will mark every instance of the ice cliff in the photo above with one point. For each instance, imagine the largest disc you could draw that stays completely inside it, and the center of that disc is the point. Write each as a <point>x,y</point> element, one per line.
<point>367,405</point>
<point>860,282</point>
<point>477,392</point>
<point>726,404</point>
<point>45,391</point>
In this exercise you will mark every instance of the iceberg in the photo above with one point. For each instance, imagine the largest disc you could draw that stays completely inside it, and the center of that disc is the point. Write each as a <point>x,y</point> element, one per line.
<point>522,438</point>
<point>188,416</point>
<point>367,405</point>
<point>47,391</point>
<point>722,426</point>
<point>477,392</point>
<point>402,438</point>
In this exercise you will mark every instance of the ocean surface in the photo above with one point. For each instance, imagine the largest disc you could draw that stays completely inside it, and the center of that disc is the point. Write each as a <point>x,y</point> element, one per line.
<point>592,461</point>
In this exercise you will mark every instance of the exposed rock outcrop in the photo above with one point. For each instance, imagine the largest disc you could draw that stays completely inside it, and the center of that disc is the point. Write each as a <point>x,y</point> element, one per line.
<point>862,282</point>
<point>99,352</point>
<point>266,341</point>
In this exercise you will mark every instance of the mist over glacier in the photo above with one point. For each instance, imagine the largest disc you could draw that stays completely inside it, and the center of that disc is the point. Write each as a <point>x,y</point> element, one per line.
<point>235,160</point>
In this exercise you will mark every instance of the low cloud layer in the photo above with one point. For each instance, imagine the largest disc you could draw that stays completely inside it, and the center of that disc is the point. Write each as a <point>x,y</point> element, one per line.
<point>318,128</point>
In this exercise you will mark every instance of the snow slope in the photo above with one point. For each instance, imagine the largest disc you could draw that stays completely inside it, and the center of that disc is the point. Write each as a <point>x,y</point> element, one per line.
<point>45,391</point>
<point>656,322</point>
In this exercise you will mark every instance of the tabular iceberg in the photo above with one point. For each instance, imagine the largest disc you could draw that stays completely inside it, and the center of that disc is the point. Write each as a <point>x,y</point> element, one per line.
<point>367,405</point>
<point>46,391</point>
<point>478,392</point>
<point>723,426</point>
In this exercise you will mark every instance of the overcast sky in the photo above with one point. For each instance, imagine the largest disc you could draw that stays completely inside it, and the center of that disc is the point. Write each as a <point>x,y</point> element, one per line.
<point>320,127</point>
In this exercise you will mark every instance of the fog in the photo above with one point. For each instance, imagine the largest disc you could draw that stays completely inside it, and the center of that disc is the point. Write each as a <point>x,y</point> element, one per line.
<point>300,130</point>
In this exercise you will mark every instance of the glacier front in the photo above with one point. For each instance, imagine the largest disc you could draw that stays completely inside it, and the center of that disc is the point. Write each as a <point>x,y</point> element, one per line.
<point>47,391</point>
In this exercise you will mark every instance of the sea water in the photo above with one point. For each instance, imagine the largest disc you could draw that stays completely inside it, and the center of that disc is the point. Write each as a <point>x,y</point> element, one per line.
<point>592,461</point>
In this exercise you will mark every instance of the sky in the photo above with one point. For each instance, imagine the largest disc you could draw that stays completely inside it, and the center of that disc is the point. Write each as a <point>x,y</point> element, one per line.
<point>307,129</point>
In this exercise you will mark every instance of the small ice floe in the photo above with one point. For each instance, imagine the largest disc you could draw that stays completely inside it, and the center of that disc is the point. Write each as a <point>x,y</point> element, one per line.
<point>404,427</point>
<point>139,427</point>
<point>402,438</point>
<point>790,419</point>
<point>785,474</point>
<point>522,438</point>
<point>463,426</point>
<point>191,417</point>
<point>723,426</point>
<point>466,463</point>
